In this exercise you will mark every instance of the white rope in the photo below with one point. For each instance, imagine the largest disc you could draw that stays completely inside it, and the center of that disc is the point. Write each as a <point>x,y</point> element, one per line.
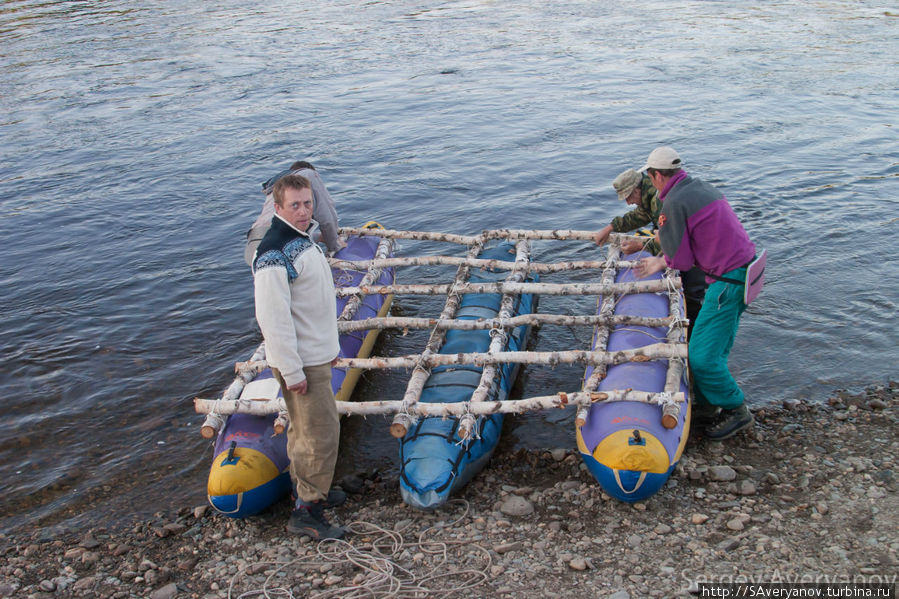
<point>379,558</point>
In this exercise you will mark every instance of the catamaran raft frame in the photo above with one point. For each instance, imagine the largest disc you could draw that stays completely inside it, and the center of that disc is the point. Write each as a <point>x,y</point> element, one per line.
<point>408,409</point>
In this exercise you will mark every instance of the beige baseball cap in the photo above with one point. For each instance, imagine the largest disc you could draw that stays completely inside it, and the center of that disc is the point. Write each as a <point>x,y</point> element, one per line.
<point>663,157</point>
<point>626,182</point>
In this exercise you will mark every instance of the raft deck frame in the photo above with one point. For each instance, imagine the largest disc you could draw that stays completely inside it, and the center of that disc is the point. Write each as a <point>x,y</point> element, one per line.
<point>407,410</point>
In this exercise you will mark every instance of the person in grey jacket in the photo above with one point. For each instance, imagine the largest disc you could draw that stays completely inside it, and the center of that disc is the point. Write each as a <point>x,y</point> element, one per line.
<point>297,313</point>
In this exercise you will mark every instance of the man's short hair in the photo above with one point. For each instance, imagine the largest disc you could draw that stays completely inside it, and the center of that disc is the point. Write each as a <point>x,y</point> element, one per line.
<point>288,181</point>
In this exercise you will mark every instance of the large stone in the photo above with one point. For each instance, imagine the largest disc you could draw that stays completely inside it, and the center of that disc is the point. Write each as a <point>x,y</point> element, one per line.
<point>735,524</point>
<point>84,584</point>
<point>169,591</point>
<point>578,563</point>
<point>722,473</point>
<point>746,487</point>
<point>515,505</point>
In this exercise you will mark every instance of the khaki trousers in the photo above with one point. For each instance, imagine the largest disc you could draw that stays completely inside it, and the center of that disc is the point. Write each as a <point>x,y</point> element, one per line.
<point>313,434</point>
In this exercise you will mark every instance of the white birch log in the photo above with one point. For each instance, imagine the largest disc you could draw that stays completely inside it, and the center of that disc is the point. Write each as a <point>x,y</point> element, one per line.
<point>507,234</point>
<point>676,336</point>
<point>655,351</point>
<point>601,333</point>
<point>419,235</point>
<point>281,422</point>
<point>554,234</point>
<point>653,286</point>
<point>403,322</point>
<point>425,409</point>
<point>495,265</point>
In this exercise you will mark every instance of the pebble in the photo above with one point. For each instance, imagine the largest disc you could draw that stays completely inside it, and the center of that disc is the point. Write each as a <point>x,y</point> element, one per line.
<point>169,591</point>
<point>89,542</point>
<point>746,487</point>
<point>728,544</point>
<point>515,505</point>
<point>699,518</point>
<point>507,547</point>
<point>722,473</point>
<point>578,563</point>
<point>84,584</point>
<point>735,524</point>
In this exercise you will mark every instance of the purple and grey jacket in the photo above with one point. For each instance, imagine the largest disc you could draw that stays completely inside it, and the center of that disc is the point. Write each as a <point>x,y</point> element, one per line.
<point>698,227</point>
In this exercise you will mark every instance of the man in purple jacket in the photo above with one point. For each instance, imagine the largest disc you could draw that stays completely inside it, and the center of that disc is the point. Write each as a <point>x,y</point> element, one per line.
<point>698,227</point>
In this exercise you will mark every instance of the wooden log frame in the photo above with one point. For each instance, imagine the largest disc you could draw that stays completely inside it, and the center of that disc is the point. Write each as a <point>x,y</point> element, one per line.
<point>423,409</point>
<point>385,247</point>
<point>409,408</point>
<point>498,337</point>
<point>653,286</point>
<point>601,334</point>
<point>419,376</point>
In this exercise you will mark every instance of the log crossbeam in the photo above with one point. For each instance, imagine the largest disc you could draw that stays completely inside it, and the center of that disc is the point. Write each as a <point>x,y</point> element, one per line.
<point>560,400</point>
<point>652,286</point>
<point>536,319</point>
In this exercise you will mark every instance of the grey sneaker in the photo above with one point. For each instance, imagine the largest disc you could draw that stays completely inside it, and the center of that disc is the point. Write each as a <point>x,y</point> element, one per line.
<point>729,423</point>
<point>309,519</point>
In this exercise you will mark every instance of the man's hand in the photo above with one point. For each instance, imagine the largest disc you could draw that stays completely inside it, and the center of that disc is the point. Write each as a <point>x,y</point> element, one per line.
<point>648,266</point>
<point>334,361</point>
<point>601,236</point>
<point>300,387</point>
<point>629,246</point>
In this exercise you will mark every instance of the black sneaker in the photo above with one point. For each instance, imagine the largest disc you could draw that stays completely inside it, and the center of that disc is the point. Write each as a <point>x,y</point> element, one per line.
<point>310,520</point>
<point>729,423</point>
<point>703,413</point>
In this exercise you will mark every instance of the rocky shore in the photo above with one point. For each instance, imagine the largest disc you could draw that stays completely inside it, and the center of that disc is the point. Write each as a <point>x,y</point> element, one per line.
<point>809,494</point>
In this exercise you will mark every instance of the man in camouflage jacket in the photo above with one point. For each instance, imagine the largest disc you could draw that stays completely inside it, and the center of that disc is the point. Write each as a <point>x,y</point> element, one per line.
<point>637,190</point>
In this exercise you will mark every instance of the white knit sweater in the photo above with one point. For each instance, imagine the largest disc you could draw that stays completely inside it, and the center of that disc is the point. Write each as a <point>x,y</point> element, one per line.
<point>295,301</point>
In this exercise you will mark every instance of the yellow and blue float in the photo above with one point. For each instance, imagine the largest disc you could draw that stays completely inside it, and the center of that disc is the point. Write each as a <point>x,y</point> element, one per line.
<point>623,443</point>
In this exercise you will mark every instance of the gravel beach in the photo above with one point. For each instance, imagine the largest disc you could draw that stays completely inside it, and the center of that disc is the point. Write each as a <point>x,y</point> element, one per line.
<point>810,494</point>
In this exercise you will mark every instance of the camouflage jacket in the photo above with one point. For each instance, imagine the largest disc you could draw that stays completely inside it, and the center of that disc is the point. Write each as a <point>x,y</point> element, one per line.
<point>646,212</point>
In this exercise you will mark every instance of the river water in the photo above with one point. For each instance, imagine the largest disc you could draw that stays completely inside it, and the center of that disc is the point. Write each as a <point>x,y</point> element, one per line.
<point>134,137</point>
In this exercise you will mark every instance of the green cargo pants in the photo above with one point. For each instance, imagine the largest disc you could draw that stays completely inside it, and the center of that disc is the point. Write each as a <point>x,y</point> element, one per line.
<point>711,341</point>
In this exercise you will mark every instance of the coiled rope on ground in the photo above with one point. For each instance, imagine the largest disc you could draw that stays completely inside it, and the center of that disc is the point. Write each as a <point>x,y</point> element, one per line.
<point>373,556</point>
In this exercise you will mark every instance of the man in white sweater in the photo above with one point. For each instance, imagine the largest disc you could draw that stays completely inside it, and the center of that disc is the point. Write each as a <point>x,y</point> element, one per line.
<point>296,310</point>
